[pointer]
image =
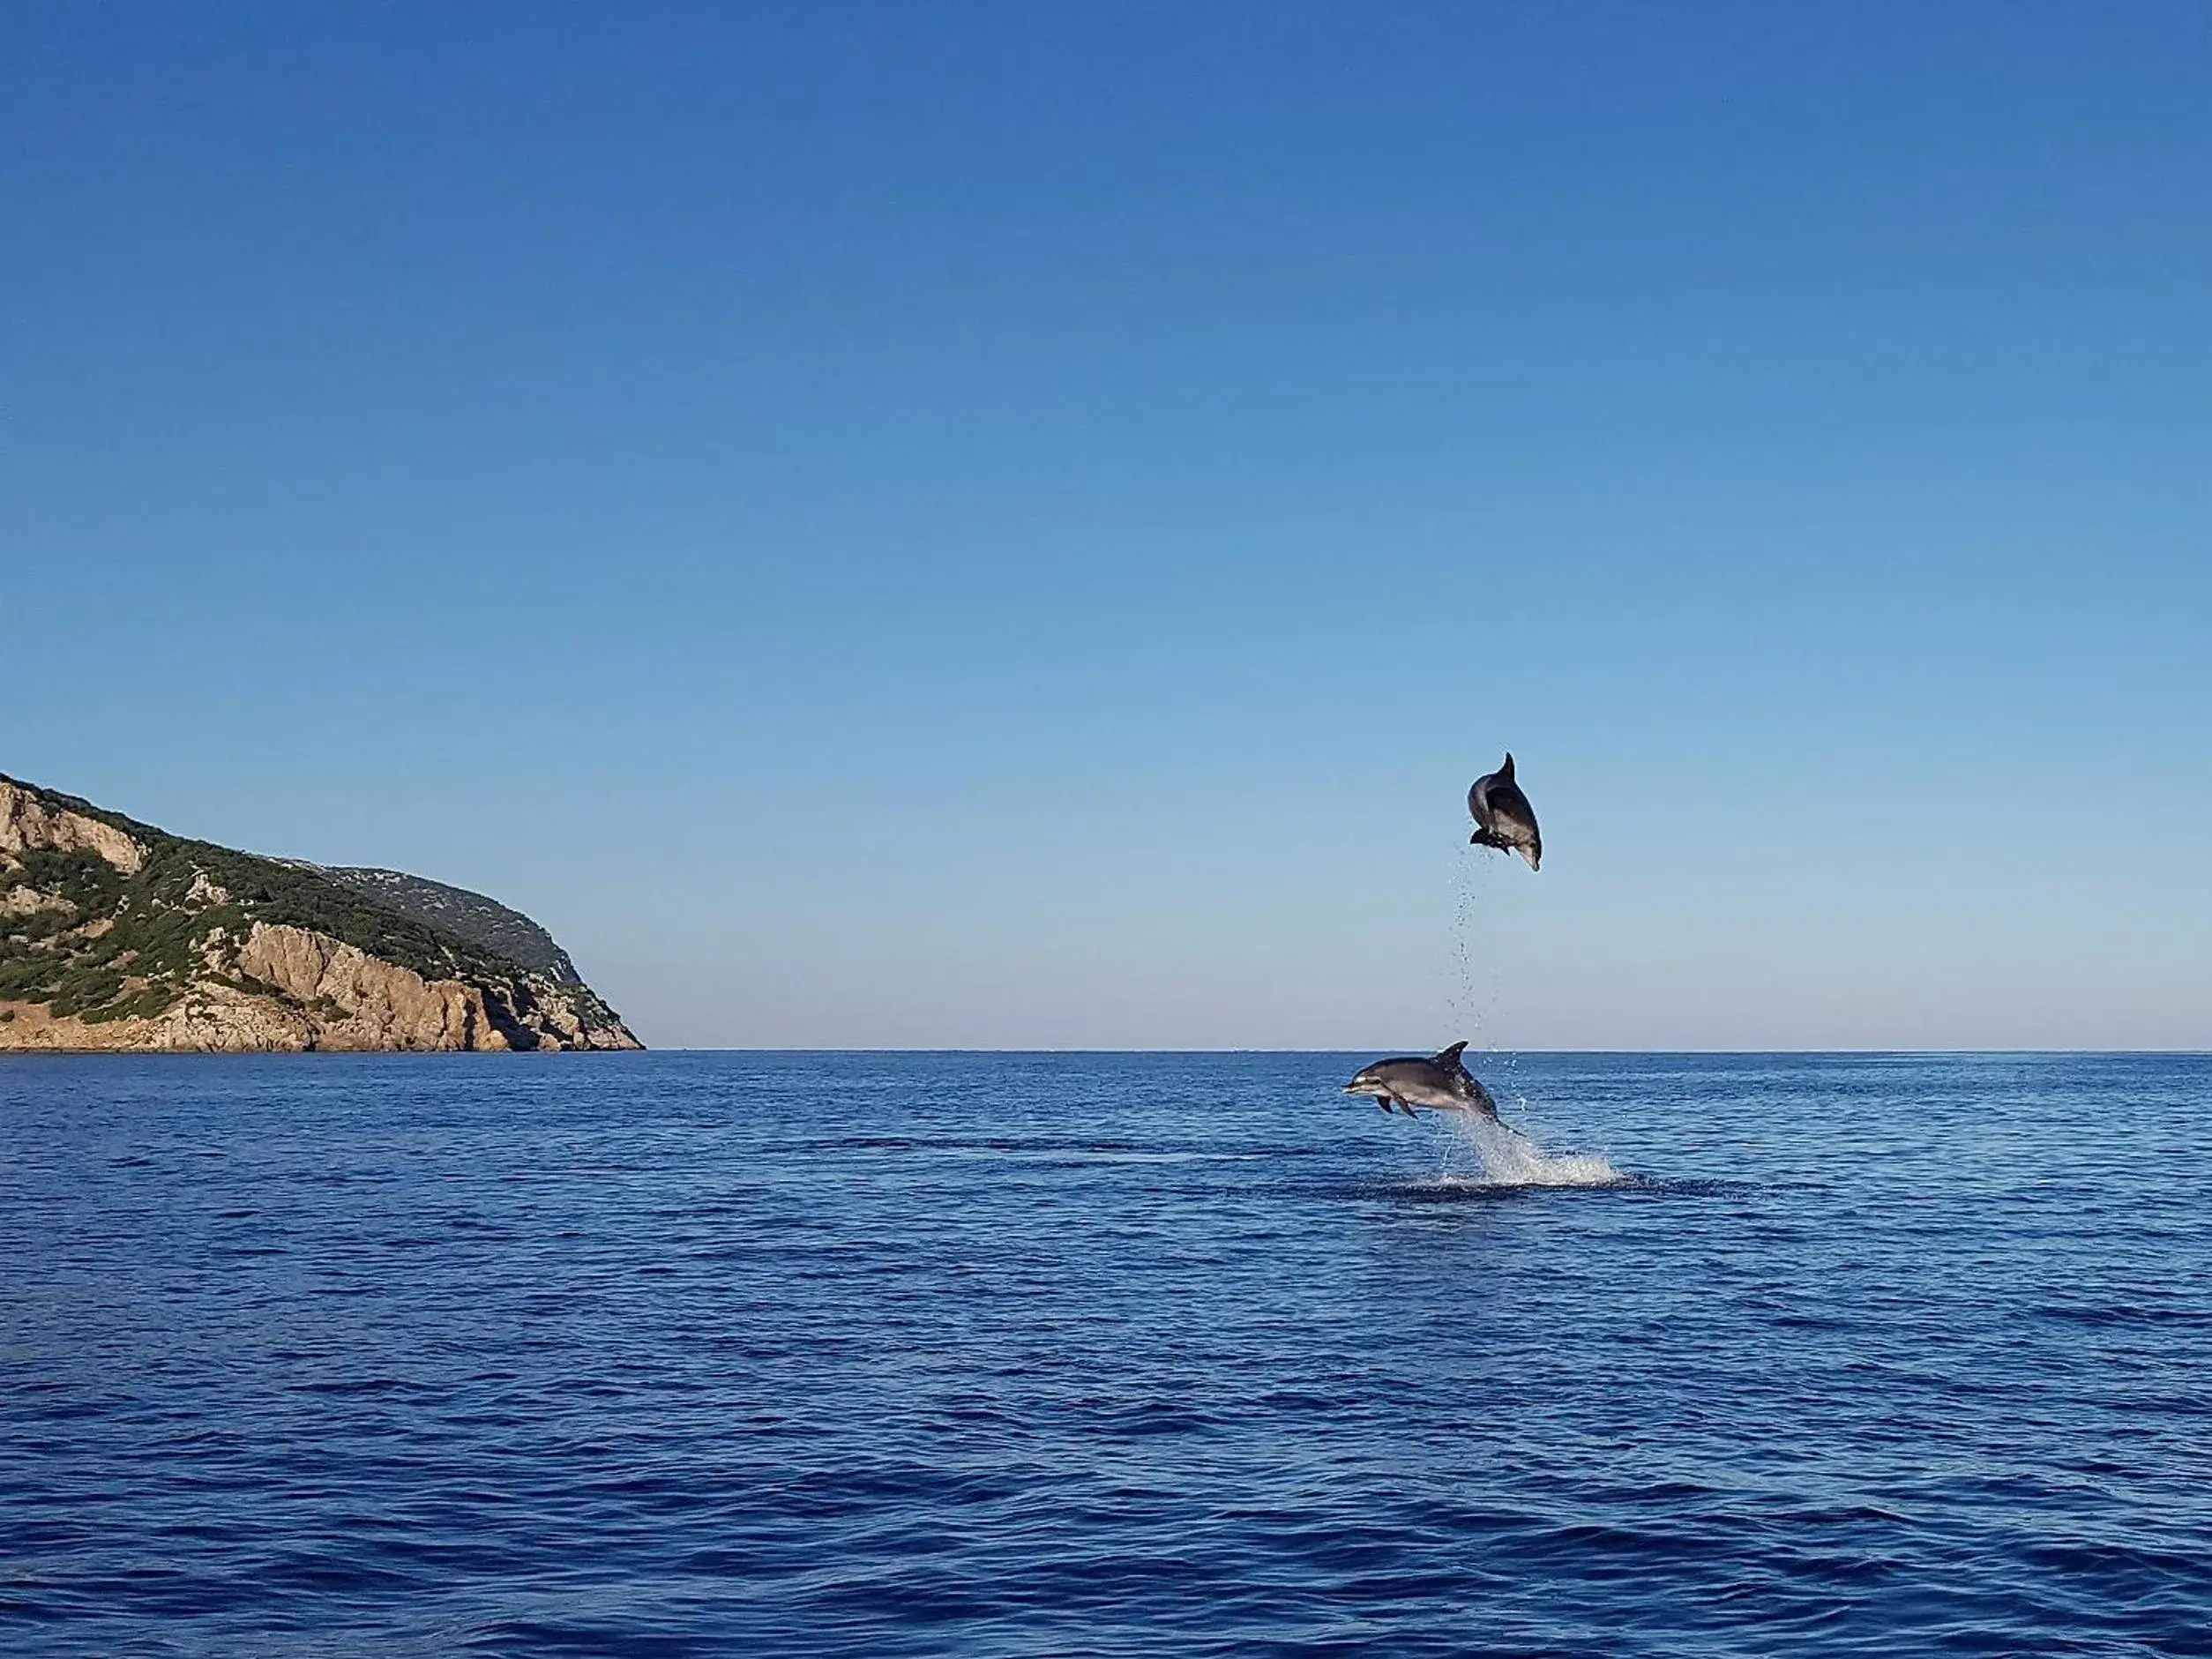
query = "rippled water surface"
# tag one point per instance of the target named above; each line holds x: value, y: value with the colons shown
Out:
x: 988, y: 1354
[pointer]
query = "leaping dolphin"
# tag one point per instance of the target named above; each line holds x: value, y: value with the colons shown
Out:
x: 1441, y: 1082
x: 1503, y: 817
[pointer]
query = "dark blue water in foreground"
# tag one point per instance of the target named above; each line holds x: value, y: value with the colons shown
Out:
x: 987, y: 1355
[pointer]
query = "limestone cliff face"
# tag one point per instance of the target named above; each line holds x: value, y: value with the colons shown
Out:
x: 117, y: 936
x: 373, y: 1005
x: 210, y: 1019
x: 30, y: 822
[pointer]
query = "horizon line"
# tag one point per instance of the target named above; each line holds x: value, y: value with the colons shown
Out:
x: 922, y: 1048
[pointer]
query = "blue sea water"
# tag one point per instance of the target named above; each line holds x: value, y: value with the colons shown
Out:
x: 1103, y: 1354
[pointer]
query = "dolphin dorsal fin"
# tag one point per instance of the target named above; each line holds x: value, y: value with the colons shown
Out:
x: 1451, y: 1056
x: 1505, y: 771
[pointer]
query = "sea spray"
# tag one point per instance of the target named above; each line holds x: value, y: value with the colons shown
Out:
x: 1506, y: 1157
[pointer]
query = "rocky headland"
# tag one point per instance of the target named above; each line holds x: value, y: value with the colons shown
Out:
x: 119, y: 936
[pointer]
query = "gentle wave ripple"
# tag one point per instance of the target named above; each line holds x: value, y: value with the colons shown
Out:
x: 1030, y: 1355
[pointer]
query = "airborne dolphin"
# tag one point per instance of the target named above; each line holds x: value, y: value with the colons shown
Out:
x: 1503, y: 817
x: 1441, y: 1082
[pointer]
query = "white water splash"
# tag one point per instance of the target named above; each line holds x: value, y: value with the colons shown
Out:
x: 1509, y: 1158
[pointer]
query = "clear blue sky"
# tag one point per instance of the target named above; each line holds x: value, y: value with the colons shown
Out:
x: 1015, y: 525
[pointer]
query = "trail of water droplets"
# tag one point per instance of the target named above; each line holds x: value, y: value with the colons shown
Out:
x: 1474, y: 996
x: 1476, y: 1149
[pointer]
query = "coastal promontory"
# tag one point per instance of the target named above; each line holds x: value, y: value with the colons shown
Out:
x: 117, y: 936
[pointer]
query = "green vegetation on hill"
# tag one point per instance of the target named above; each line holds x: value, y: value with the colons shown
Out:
x: 58, y: 954
x: 482, y: 922
x: 88, y: 939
